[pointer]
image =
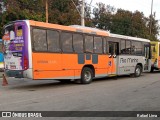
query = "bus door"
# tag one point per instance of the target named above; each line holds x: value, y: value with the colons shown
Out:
x: 147, y: 55
x: 113, y: 52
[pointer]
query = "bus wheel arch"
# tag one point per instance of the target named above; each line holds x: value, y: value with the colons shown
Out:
x: 87, y: 74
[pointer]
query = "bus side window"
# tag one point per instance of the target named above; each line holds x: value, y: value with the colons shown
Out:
x: 78, y: 43
x: 128, y: 47
x: 104, y: 46
x: 88, y: 43
x: 97, y: 44
x: 39, y: 40
x: 66, y: 41
x: 53, y: 41
x: 111, y: 48
x: 136, y: 48
x: 123, y: 46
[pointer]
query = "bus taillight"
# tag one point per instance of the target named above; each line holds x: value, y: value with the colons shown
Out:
x: 25, y: 63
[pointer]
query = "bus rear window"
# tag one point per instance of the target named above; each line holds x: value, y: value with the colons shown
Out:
x: 19, y: 31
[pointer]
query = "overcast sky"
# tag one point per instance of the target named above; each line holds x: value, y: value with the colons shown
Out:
x: 133, y: 5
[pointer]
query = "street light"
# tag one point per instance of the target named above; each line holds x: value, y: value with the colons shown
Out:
x: 151, y: 18
x: 46, y: 11
x: 82, y: 13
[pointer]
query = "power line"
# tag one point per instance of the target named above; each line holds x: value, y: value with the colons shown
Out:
x: 76, y: 7
x: 91, y: 2
x: 150, y: 31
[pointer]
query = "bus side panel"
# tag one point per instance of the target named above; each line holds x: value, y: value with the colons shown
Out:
x: 54, y: 66
x: 127, y: 64
x: 44, y: 64
x: 54, y: 74
x: 78, y: 61
x: 68, y: 66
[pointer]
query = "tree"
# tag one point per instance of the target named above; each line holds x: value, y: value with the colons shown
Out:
x: 60, y: 11
x: 22, y: 9
x: 122, y: 22
x: 103, y: 16
x: 125, y: 22
x: 88, y: 19
x: 63, y: 12
x: 154, y: 30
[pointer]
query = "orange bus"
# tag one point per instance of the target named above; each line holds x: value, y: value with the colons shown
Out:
x: 39, y: 50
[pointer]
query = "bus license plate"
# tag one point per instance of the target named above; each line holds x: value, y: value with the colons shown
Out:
x: 12, y: 67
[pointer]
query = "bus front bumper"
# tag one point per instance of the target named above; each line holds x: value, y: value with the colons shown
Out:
x: 14, y: 73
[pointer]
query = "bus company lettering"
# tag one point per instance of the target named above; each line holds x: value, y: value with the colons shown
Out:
x: 128, y: 60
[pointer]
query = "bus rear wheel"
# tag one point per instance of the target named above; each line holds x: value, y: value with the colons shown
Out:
x: 138, y: 71
x: 86, y: 75
x: 152, y: 69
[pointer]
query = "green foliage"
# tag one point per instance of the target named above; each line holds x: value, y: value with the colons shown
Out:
x: 125, y: 22
x: 64, y: 12
x: 103, y: 16
x: 60, y: 11
x: 22, y: 9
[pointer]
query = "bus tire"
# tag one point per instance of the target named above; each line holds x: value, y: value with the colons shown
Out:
x: 152, y: 69
x: 86, y: 75
x: 138, y: 71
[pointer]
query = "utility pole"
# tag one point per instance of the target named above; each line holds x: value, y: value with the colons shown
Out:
x: 46, y: 11
x: 82, y: 14
x: 150, y: 31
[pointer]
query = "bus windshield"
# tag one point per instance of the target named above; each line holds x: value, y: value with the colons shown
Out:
x: 13, y: 46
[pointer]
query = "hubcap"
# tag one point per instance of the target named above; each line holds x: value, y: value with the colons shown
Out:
x: 87, y: 76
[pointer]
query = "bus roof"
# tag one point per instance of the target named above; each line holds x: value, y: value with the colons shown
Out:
x: 69, y: 28
x: 129, y: 37
x: 155, y: 41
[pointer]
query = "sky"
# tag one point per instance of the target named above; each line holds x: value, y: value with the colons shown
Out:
x: 132, y: 5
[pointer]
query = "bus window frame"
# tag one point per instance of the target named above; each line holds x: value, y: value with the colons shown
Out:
x: 104, y: 45
x: 101, y: 44
x: 142, y: 43
x: 85, y: 34
x: 32, y: 42
x: 82, y: 41
x: 61, y: 41
x: 103, y: 38
x: 58, y: 40
x: 121, y: 47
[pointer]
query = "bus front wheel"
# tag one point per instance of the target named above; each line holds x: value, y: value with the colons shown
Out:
x: 138, y: 71
x: 86, y: 75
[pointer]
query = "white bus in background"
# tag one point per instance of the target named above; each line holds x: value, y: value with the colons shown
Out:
x: 132, y: 54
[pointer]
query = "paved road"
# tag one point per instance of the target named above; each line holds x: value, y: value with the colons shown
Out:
x: 109, y: 94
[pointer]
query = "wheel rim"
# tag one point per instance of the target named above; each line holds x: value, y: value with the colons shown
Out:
x: 87, y: 76
x: 138, y: 71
